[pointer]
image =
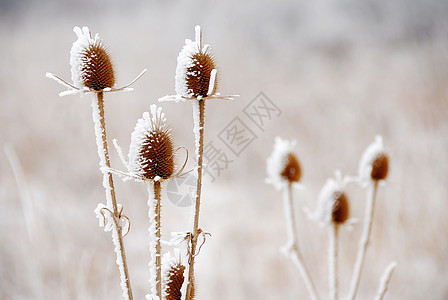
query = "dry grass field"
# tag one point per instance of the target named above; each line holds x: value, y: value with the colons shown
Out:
x: 339, y: 72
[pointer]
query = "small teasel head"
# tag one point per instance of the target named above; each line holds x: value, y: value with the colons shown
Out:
x: 151, y: 153
x: 172, y: 277
x: 341, y: 210
x: 91, y: 66
x: 283, y: 166
x: 333, y: 206
x: 374, y: 164
x: 196, y: 73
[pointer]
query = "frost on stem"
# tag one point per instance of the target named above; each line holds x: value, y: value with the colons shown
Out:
x: 282, y: 166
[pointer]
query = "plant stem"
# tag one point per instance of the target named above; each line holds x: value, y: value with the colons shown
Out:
x: 293, y: 245
x: 196, y: 232
x: 385, y: 279
x: 155, y: 246
x: 333, y: 262
x: 364, y: 240
x: 108, y: 184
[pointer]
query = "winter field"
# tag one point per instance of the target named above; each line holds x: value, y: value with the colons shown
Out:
x: 337, y: 74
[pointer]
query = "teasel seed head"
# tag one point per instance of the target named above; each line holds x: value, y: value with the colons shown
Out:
x: 196, y: 73
x: 151, y: 153
x: 282, y: 166
x: 91, y: 66
x: 175, y: 279
x: 172, y: 275
x: 333, y: 206
x: 341, y: 210
x: 380, y: 167
x: 374, y: 164
x: 291, y: 171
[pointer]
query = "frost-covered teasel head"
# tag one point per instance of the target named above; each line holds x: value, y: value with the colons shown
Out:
x: 282, y: 166
x: 196, y: 72
x: 333, y: 206
x: 151, y: 153
x: 374, y: 163
x: 172, y: 276
x: 91, y: 66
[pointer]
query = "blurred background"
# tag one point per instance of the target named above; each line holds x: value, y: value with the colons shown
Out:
x: 339, y: 73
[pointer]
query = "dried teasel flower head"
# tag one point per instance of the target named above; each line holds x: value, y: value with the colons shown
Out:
x: 374, y: 163
x: 333, y: 205
x: 91, y: 66
x: 282, y: 166
x: 151, y: 153
x: 196, y: 72
x: 172, y: 277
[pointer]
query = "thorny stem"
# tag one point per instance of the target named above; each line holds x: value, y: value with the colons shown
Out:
x: 333, y: 262
x: 293, y: 250
x: 364, y: 240
x: 108, y: 184
x: 196, y: 232
x: 156, y: 250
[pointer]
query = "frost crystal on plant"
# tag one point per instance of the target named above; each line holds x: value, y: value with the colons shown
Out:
x: 282, y: 166
x: 151, y: 154
x: 374, y: 163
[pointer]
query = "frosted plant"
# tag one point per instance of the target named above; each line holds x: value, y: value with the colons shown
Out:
x: 151, y: 160
x: 282, y: 166
x: 91, y: 66
x: 373, y: 168
x: 333, y: 211
x: 196, y: 81
x: 172, y: 276
x: 92, y: 72
x: 283, y: 171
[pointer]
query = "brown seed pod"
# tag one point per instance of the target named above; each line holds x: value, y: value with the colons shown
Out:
x: 97, y: 72
x: 292, y: 171
x: 341, y: 209
x: 175, y: 281
x: 151, y: 153
x: 380, y: 167
x: 198, y: 75
x: 157, y: 155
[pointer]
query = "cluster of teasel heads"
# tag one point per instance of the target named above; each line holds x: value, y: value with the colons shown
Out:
x: 333, y: 211
x: 152, y: 153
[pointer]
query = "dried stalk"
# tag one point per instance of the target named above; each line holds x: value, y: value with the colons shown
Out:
x: 196, y: 231
x: 108, y: 183
x: 155, y: 235
x: 333, y: 262
x: 364, y: 240
x: 293, y: 246
x: 385, y: 279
